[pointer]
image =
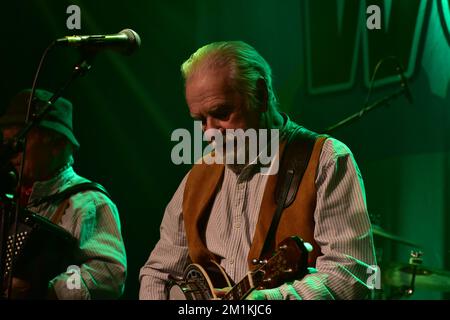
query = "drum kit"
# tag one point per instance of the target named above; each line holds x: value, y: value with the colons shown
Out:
x: 401, y: 280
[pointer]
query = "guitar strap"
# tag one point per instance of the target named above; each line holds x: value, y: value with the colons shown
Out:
x: 293, y: 165
x: 65, y: 195
x: 56, y: 217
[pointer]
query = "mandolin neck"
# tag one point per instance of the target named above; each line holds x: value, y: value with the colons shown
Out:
x: 244, y: 287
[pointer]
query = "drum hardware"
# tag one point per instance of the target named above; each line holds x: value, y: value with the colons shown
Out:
x: 415, y: 260
x: 406, y: 278
x: 380, y: 232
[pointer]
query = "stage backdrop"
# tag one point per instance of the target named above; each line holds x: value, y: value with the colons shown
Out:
x: 323, y: 57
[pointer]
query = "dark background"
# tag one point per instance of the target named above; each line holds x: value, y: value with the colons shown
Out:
x: 322, y: 56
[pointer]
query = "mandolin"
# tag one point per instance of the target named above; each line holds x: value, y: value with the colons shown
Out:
x: 287, y: 263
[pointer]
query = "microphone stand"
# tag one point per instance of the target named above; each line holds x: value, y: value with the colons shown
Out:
x: 6, y: 207
x: 415, y: 260
x: 17, y: 145
x: 407, y: 290
x: 358, y: 115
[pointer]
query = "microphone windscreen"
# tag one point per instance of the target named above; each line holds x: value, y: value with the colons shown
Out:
x: 134, y: 40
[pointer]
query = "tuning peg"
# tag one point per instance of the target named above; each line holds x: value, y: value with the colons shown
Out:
x: 288, y: 270
x: 283, y: 247
x: 256, y: 261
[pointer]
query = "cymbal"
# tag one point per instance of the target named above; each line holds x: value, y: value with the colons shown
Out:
x: 378, y: 231
x: 400, y: 274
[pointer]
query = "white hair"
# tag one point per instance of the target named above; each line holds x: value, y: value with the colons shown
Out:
x: 246, y: 67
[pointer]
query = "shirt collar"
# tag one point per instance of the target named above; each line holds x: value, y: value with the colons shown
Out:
x: 62, y: 180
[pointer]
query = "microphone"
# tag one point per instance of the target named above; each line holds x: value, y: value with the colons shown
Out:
x: 404, y: 83
x: 126, y: 42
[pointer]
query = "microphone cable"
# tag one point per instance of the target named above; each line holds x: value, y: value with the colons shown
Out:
x: 377, y: 67
x: 21, y: 168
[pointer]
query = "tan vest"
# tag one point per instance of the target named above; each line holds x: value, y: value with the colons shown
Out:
x: 297, y: 219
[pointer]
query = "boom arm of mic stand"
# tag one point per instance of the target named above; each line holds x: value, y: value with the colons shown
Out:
x: 80, y: 69
x: 382, y: 102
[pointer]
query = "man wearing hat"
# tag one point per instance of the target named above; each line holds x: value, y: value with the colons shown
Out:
x: 89, y: 215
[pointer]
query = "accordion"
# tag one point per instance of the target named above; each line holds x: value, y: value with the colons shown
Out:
x: 42, y: 251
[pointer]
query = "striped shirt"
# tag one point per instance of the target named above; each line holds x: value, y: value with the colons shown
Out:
x: 342, y: 230
x: 93, y: 219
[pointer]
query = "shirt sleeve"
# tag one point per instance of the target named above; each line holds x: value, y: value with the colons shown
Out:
x: 102, y: 273
x: 342, y: 230
x: 170, y: 255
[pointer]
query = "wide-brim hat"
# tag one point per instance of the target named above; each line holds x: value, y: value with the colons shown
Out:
x: 59, y: 117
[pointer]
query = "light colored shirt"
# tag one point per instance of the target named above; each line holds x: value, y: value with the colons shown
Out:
x: 93, y: 219
x: 342, y: 230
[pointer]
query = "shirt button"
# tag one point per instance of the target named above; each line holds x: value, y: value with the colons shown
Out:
x: 231, y: 261
x: 237, y: 225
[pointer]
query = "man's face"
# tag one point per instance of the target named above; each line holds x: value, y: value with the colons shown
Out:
x: 40, y: 156
x: 212, y: 100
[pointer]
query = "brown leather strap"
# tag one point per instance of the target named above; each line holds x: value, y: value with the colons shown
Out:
x: 56, y: 218
x: 294, y: 161
x: 56, y: 197
x: 64, y: 196
x: 297, y: 219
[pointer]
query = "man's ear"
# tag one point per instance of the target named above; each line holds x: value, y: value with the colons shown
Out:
x: 263, y: 95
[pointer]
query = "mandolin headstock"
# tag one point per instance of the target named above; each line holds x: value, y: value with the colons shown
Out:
x: 289, y: 262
